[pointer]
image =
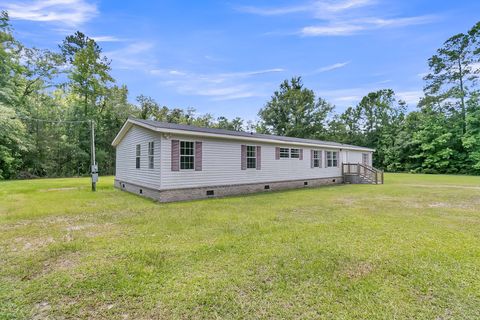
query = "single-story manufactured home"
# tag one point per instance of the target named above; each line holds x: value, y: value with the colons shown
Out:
x: 172, y: 162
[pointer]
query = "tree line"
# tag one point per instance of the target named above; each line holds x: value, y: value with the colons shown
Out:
x: 47, y: 99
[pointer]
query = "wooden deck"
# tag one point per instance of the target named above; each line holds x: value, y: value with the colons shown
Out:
x: 359, y: 173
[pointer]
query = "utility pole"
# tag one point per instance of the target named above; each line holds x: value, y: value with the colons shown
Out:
x: 93, y: 165
x: 93, y: 162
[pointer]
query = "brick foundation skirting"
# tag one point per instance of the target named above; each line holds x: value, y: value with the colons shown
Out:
x: 183, y: 194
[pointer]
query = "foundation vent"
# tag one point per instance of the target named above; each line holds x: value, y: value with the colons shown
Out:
x: 305, y: 183
x: 267, y: 187
x: 210, y: 193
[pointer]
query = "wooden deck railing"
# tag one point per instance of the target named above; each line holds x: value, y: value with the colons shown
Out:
x: 366, y: 172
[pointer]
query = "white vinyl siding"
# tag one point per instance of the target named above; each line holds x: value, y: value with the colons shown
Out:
x: 126, y: 158
x: 221, y: 165
x: 356, y: 157
x: 220, y: 162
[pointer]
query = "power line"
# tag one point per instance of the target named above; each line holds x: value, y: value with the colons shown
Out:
x: 94, y: 165
x: 51, y: 121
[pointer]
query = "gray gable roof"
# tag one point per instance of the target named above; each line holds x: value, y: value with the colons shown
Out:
x: 189, y: 128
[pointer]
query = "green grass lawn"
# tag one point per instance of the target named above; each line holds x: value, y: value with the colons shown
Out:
x: 407, y: 249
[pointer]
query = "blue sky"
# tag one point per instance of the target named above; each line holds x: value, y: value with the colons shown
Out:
x: 227, y: 57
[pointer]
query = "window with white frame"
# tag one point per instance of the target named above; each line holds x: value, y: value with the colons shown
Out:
x: 137, y: 156
x: 251, y: 157
x: 316, y: 158
x: 187, y: 155
x: 151, y: 151
x: 284, y: 153
x: 332, y: 158
x: 295, y: 153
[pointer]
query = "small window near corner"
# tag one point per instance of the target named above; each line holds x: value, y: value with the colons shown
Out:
x: 137, y: 156
x: 151, y: 150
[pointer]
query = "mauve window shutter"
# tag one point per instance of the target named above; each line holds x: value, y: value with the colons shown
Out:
x: 175, y: 155
x: 311, y: 158
x: 277, y: 153
x: 244, y: 157
x: 198, y: 156
x: 259, y: 157
x: 301, y: 154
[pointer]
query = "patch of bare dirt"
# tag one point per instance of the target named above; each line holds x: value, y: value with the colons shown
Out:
x: 100, y: 230
x: 22, y: 244
x: 44, y: 222
x: 442, y: 186
x: 449, y: 205
x: 347, y: 201
x: 358, y: 270
x: 60, y: 189
x: 62, y: 263
x: 41, y: 311
x: 79, y: 227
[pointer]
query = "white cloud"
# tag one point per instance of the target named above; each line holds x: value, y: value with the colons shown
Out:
x: 399, y: 22
x: 318, y: 8
x: 352, y: 96
x: 348, y: 99
x: 343, y: 97
x: 331, y: 30
x: 349, y: 4
x: 383, y: 81
x: 340, y: 18
x: 354, y: 26
x: 106, y: 39
x: 273, y: 11
x: 422, y: 75
x: 252, y: 73
x: 217, y: 86
x: 66, y: 12
x: 410, y: 97
x: 333, y: 67
x: 136, y: 56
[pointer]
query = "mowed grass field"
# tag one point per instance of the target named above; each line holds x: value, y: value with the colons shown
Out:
x: 409, y: 249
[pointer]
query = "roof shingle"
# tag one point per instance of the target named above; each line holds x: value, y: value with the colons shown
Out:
x: 184, y: 127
